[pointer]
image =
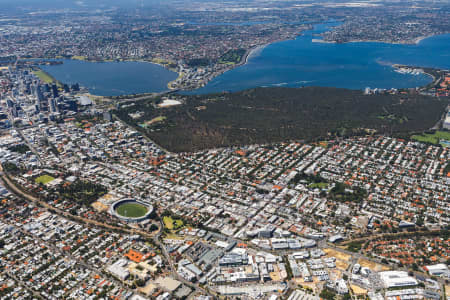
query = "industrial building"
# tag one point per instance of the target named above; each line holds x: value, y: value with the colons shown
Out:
x: 393, y: 279
x: 438, y: 270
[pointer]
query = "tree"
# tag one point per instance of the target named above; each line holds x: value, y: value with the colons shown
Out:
x: 419, y: 221
x: 347, y: 297
x: 326, y: 294
x: 10, y: 167
x: 140, y: 282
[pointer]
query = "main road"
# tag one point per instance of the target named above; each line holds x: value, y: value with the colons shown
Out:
x: 11, y: 186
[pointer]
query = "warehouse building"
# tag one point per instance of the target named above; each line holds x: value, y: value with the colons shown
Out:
x: 393, y: 279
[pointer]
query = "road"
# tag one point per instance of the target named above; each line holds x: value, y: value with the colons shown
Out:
x: 144, y: 135
x: 24, y: 285
x: 437, y: 126
x: 69, y: 255
x: 155, y: 237
x: 15, y: 190
x: 387, y: 235
x: 26, y: 140
x: 114, y: 101
x: 195, y: 287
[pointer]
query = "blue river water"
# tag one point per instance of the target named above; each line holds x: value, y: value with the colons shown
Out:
x: 113, y: 78
x: 292, y: 63
x: 302, y: 62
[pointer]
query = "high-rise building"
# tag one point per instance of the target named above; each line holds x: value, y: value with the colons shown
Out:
x: 52, y: 104
x: 75, y: 87
x: 55, y: 91
x: 72, y: 105
x: 39, y: 97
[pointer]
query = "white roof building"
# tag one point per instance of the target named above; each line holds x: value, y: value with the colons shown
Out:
x: 438, y: 270
x: 397, y: 279
x: 137, y: 297
x: 119, y: 270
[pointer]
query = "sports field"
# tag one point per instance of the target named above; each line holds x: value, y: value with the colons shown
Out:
x: 319, y: 185
x: 131, y: 210
x: 434, y: 138
x: 171, y: 223
x: 44, y: 179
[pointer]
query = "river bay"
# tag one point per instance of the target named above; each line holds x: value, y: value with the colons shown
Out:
x: 113, y: 78
x: 305, y: 61
x: 308, y: 62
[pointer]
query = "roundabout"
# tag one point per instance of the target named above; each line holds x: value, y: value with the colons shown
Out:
x: 131, y: 210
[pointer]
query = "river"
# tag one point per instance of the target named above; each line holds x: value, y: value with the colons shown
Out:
x: 304, y: 61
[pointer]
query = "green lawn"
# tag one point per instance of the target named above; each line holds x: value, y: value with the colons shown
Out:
x: 432, y: 138
x: 44, y: 179
x: 47, y: 78
x: 43, y: 76
x: 172, y: 224
x: 319, y: 185
x: 131, y: 210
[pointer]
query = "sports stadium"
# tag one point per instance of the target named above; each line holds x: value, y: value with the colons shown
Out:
x: 131, y: 210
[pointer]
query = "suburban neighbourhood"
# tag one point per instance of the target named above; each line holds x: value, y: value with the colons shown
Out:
x: 90, y: 208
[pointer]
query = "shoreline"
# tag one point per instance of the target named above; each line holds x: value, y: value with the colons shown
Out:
x: 51, y: 78
x: 244, y: 60
x: 415, y: 41
x: 60, y: 83
x: 321, y: 41
x: 421, y: 38
x: 424, y: 72
x: 252, y: 51
x: 103, y: 61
